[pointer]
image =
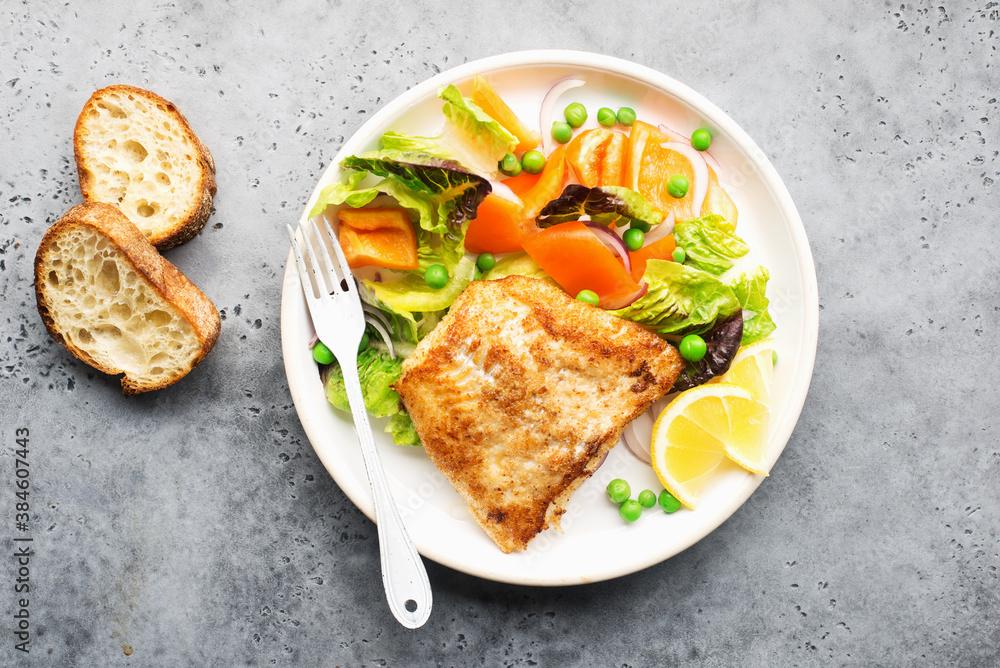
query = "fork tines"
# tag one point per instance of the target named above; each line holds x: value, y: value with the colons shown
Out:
x: 316, y: 267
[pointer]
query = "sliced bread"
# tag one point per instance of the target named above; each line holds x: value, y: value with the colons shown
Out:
x: 106, y: 294
x: 135, y: 150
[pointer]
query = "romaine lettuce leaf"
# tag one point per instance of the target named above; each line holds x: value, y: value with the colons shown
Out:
x: 680, y: 300
x: 409, y: 293
x: 471, y: 136
x: 750, y: 289
x: 377, y: 372
x: 445, y: 195
x: 515, y: 264
x: 402, y: 430
x: 604, y: 204
x: 710, y: 242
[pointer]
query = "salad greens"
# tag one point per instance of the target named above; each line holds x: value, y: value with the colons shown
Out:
x: 680, y: 300
x: 377, y: 371
x: 409, y: 293
x: 515, y: 264
x: 750, y: 291
x: 442, y: 192
x: 721, y: 343
x: 471, y: 136
x: 710, y: 243
x: 604, y: 204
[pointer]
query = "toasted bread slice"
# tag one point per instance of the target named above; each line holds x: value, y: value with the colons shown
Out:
x: 135, y: 150
x: 106, y: 294
x: 519, y: 393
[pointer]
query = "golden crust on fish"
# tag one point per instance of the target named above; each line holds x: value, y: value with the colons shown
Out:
x: 519, y: 393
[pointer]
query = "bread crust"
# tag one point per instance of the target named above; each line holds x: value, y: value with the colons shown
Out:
x: 199, y: 211
x: 168, y: 281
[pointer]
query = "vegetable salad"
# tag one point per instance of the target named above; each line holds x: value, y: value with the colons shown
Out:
x: 623, y: 215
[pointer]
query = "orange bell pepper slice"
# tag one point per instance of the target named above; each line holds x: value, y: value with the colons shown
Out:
x: 522, y: 183
x: 499, y: 227
x: 380, y: 237
x: 487, y: 99
x: 662, y: 249
x: 598, y: 157
x: 577, y: 260
x: 548, y: 186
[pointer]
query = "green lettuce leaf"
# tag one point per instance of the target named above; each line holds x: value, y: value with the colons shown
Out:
x: 604, y: 204
x: 471, y: 136
x: 680, y: 300
x: 515, y: 264
x: 710, y: 242
x: 409, y: 293
x: 751, y: 291
x: 377, y: 372
x: 444, y: 195
x: 402, y: 430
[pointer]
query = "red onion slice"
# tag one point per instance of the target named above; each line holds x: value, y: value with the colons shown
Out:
x: 382, y: 332
x: 661, y: 230
x: 621, y: 302
x: 673, y: 134
x: 678, y: 137
x: 548, y: 106
x: 312, y: 341
x: 700, y: 168
x: 638, y: 436
x: 612, y: 241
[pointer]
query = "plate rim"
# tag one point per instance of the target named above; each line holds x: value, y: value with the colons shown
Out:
x: 359, y: 495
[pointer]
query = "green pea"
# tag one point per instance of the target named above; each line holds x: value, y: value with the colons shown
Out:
x: 680, y: 255
x: 647, y: 499
x: 561, y: 132
x: 576, y: 114
x: 510, y: 165
x: 701, y: 139
x: 365, y: 342
x: 640, y: 225
x: 486, y: 261
x: 630, y: 510
x: 669, y: 502
x: 634, y: 238
x: 436, y: 276
x: 589, y: 297
x: 322, y: 354
x: 626, y: 115
x: 618, y: 490
x: 677, y: 186
x: 606, y: 117
x: 533, y: 161
x: 693, y: 348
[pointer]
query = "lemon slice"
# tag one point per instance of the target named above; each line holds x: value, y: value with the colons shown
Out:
x: 753, y: 370
x: 701, y: 430
x: 686, y: 448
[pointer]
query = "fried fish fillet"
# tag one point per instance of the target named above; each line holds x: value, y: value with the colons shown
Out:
x: 519, y: 393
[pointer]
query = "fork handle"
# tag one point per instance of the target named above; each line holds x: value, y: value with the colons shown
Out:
x: 403, y: 574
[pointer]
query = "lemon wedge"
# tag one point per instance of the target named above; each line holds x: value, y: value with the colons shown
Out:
x: 753, y: 370
x: 692, y: 436
x: 706, y: 427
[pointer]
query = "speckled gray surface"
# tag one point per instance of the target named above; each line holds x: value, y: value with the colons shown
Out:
x: 196, y: 527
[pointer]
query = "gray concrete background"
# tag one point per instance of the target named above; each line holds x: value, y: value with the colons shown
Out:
x: 196, y: 527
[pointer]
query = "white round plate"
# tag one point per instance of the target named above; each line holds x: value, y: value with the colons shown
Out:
x: 594, y: 544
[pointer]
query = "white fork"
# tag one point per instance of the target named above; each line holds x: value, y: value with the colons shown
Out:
x: 332, y: 297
